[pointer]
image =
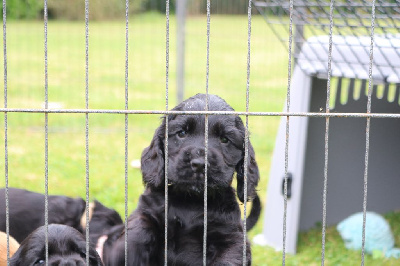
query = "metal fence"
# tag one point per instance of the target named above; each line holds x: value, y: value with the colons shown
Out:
x: 368, y: 13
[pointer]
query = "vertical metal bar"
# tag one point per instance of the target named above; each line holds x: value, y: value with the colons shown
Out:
x: 206, y: 136
x: 205, y: 184
x: 360, y: 19
x: 386, y: 32
x: 46, y: 133
x: 354, y: 31
x: 287, y: 130
x: 166, y: 134
x: 87, y: 124
x: 327, y: 110
x: 370, y: 83
x: 314, y: 32
x: 6, y: 129
x: 180, y: 48
x: 299, y: 26
x: 246, y: 136
x: 126, y: 124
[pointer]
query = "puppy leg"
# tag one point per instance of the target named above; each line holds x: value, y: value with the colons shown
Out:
x: 233, y: 256
x: 231, y: 261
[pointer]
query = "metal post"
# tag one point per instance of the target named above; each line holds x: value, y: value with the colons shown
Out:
x: 180, y: 46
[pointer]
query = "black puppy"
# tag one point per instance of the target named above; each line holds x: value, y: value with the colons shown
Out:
x: 67, y: 247
x: 102, y: 220
x: 105, y: 243
x: 103, y: 224
x: 27, y: 211
x: 186, y: 172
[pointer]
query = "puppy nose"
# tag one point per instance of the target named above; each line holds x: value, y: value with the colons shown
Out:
x: 72, y: 261
x: 198, y: 164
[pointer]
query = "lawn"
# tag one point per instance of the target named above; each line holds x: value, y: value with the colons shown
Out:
x: 66, y: 61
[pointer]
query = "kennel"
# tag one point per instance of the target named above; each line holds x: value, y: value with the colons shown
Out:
x: 347, y: 135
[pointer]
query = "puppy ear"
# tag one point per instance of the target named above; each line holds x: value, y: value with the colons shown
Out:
x: 252, y: 176
x: 16, y: 259
x: 152, y: 161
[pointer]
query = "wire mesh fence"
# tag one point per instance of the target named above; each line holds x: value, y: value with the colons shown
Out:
x: 370, y: 22
x: 350, y: 29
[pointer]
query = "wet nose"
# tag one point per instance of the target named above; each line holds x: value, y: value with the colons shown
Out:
x: 70, y: 261
x: 198, y: 164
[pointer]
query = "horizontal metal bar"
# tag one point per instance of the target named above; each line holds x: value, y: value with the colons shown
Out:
x: 316, y: 4
x: 311, y: 21
x: 160, y: 112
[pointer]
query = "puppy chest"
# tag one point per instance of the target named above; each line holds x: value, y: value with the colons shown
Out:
x: 186, y: 231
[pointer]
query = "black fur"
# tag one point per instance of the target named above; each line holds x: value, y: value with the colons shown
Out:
x: 67, y: 247
x: 27, y: 210
x: 186, y: 163
x: 102, y: 220
x: 114, y: 235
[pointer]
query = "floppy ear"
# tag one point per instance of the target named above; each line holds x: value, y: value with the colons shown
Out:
x: 252, y: 176
x: 152, y: 162
x: 16, y: 259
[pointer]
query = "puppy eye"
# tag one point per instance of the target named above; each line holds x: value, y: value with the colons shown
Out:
x: 182, y: 133
x: 39, y: 262
x: 223, y: 139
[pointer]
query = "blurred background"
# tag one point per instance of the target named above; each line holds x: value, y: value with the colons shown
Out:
x: 147, y: 91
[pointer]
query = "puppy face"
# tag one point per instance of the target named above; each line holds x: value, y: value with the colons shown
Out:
x: 66, y: 247
x: 186, y: 150
x: 186, y: 165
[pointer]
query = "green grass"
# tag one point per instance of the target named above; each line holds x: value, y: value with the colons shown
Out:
x: 66, y: 61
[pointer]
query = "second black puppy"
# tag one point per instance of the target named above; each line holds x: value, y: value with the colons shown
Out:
x: 67, y: 247
x: 104, y: 224
x: 27, y: 211
x: 186, y: 173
